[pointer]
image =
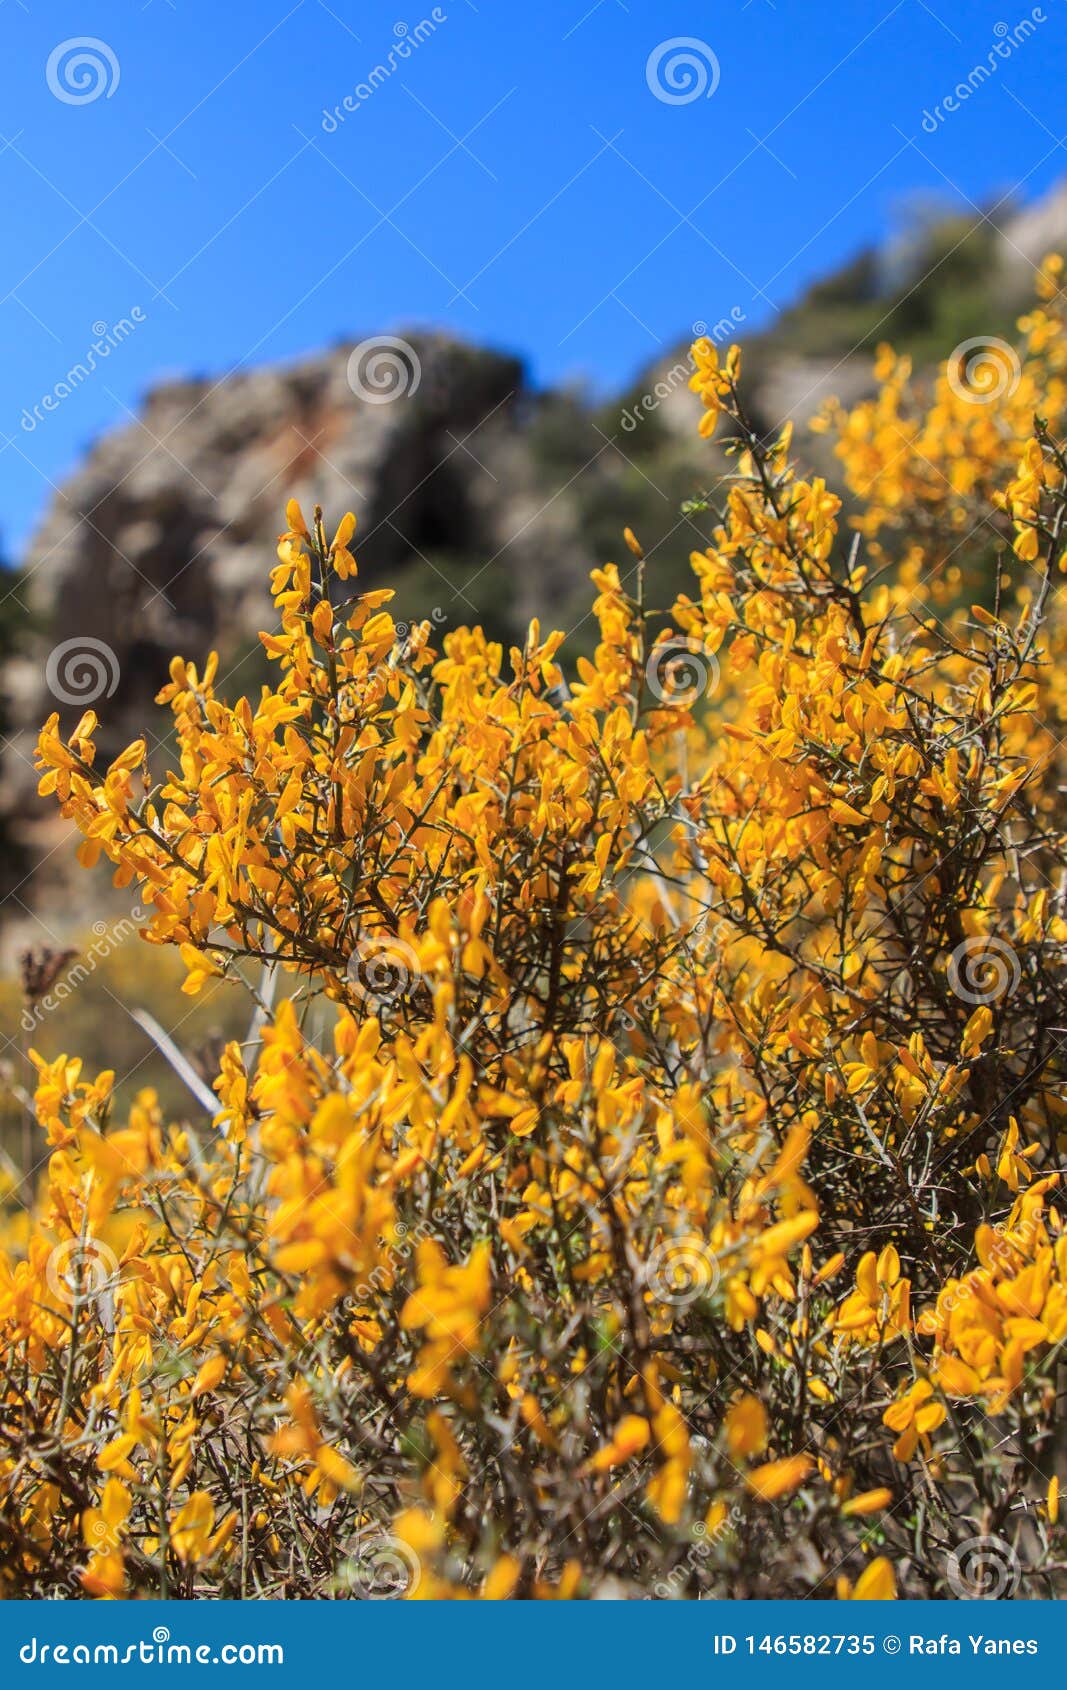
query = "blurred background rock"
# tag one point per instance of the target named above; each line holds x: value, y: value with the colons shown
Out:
x: 478, y: 499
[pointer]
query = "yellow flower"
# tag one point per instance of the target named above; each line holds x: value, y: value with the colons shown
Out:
x: 746, y: 1428
x: 778, y: 1478
x: 868, y: 1502
x: 876, y: 1583
x: 913, y: 1417
x: 630, y: 1437
x: 595, y: 999
x: 191, y: 1527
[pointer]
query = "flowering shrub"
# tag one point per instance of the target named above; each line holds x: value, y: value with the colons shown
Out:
x: 640, y: 1175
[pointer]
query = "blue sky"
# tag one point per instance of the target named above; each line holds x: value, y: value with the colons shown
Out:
x: 517, y: 176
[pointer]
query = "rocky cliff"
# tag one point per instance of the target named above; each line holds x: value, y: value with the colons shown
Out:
x: 477, y: 497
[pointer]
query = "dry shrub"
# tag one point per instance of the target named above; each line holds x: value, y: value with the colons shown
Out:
x: 640, y: 1175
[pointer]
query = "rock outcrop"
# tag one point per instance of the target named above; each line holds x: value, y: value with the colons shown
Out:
x: 477, y: 498
x: 472, y: 494
x: 162, y: 540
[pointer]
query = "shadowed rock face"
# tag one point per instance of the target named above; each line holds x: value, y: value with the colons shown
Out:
x: 162, y: 541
